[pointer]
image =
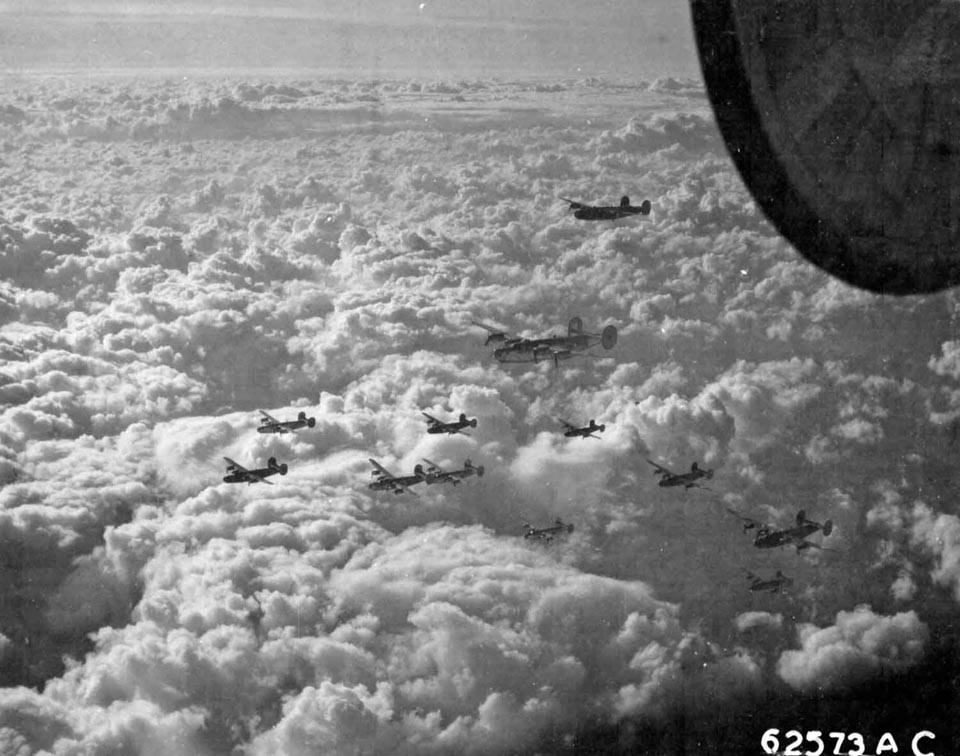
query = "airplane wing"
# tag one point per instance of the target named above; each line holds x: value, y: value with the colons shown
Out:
x: 434, y: 465
x: 574, y: 205
x: 268, y: 418
x: 568, y: 426
x: 486, y: 327
x: 383, y: 470
x: 749, y: 522
x: 432, y: 419
x: 235, y: 466
x: 251, y: 474
x: 661, y: 470
x: 811, y: 545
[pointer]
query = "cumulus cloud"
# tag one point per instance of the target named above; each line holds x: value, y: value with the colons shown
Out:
x: 860, y: 646
x: 754, y: 620
x: 324, y: 247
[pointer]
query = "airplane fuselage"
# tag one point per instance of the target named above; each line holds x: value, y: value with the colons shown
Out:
x: 539, y: 350
x: 585, y: 432
x: 767, y: 585
x: 606, y: 212
x: 450, y: 428
x: 450, y: 476
x: 286, y: 427
x: 396, y: 484
x: 687, y: 479
x: 269, y: 425
x: 251, y: 476
x: 785, y: 537
x: 548, y: 534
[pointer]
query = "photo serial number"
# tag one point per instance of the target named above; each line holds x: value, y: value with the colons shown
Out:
x: 816, y: 743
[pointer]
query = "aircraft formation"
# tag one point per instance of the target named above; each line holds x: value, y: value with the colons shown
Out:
x: 553, y: 348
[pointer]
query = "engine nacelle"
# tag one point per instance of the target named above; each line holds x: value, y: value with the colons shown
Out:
x: 608, y: 337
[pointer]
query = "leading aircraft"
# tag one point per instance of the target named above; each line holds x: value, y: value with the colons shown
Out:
x: 270, y: 424
x: 546, y: 534
x: 436, y: 474
x: 773, y: 585
x: 237, y: 473
x: 768, y: 538
x: 582, y: 211
x: 387, y: 481
x: 438, y: 426
x: 687, y: 479
x: 516, y: 349
x: 587, y: 431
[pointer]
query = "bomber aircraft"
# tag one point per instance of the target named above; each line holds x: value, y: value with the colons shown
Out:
x: 438, y: 426
x: 546, y: 534
x: 582, y: 211
x: 237, y: 473
x: 557, y: 348
x: 270, y: 424
x: 768, y: 538
x: 436, y: 474
x: 773, y: 585
x: 587, y: 431
x: 687, y: 479
x: 387, y: 481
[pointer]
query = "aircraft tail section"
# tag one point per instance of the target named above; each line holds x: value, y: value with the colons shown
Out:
x: 624, y: 201
x: 575, y: 326
x: 645, y: 207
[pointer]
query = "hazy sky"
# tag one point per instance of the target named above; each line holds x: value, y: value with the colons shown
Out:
x: 611, y: 38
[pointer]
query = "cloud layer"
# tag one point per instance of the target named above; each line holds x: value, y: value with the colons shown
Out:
x: 176, y: 256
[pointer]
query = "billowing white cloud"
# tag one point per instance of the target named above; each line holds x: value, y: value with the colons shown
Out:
x: 178, y: 256
x: 860, y: 646
x: 753, y: 620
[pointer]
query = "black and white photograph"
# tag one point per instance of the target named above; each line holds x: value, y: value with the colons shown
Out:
x: 482, y: 377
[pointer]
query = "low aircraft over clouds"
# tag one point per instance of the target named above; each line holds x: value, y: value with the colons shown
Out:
x: 769, y: 538
x: 687, y: 479
x: 237, y: 473
x: 583, y: 211
x: 436, y: 474
x: 773, y: 585
x: 455, y: 426
x: 548, y: 533
x: 556, y: 348
x: 270, y: 424
x: 387, y: 481
x: 587, y: 431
